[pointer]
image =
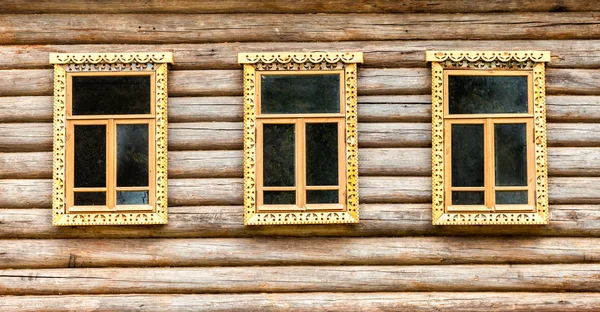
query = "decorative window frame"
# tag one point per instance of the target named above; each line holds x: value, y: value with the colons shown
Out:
x: 314, y: 61
x: 532, y: 61
x: 143, y: 62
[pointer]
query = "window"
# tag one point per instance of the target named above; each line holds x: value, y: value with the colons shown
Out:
x: 489, y: 138
x: 110, y: 144
x: 300, y: 139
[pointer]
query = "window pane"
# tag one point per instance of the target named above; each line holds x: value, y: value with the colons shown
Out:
x: 510, y: 145
x: 511, y: 197
x: 468, y: 198
x: 90, y: 156
x: 487, y: 94
x: 132, y: 155
x: 322, y: 154
x: 132, y: 198
x: 279, y: 197
x: 322, y: 197
x: 467, y: 155
x: 90, y: 198
x: 109, y: 95
x: 279, y: 162
x: 299, y: 94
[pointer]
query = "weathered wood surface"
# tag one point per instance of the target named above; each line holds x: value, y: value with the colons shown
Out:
x: 27, y: 193
x: 227, y: 221
x: 377, y: 54
x: 392, y: 302
x: 387, y: 81
x: 371, y: 108
x: 37, y: 137
x: 75, y: 253
x: 205, y: 28
x: 295, y: 6
x: 562, y: 161
x: 544, y: 278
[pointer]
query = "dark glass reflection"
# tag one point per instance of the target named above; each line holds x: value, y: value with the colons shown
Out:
x: 279, y: 197
x: 132, y: 198
x: 279, y: 160
x: 300, y: 94
x: 90, y: 156
x: 321, y: 154
x: 89, y: 198
x: 487, y: 94
x: 109, y: 95
x: 510, y: 145
x: 132, y: 155
x: 322, y: 197
x: 468, y: 198
x: 467, y: 155
x: 511, y: 197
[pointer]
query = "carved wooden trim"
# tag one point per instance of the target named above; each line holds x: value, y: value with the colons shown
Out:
x: 300, y: 57
x: 111, y: 58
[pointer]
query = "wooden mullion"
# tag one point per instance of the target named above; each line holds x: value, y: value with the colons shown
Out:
x: 342, y: 162
x: 111, y: 168
x: 300, y: 163
x: 530, y: 163
x: 489, y: 160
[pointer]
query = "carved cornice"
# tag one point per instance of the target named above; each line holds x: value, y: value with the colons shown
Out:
x: 300, y: 57
x: 488, y: 56
x: 111, y: 58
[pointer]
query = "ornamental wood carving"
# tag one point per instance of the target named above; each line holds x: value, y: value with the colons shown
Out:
x: 64, y: 63
x: 531, y: 61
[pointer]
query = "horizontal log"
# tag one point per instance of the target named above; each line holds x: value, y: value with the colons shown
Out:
x: 77, y: 253
x: 206, y: 28
x: 371, y: 81
x: 550, y: 277
x: 378, y: 108
x: 312, y: 302
x: 226, y: 221
x: 312, y: 6
x: 28, y: 193
x: 37, y: 137
x: 377, y: 54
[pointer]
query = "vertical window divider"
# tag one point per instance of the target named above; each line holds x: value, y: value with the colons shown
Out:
x: 489, y: 163
x: 111, y: 167
x: 300, y: 163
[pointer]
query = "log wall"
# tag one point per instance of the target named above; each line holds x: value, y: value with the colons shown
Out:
x: 205, y: 258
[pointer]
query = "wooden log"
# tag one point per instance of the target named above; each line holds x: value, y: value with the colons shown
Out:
x: 377, y: 108
x: 28, y: 193
x: 389, y: 81
x: 205, y: 28
x: 310, y: 302
x: 377, y: 54
x: 37, y: 137
x: 550, y: 277
x: 77, y: 253
x: 226, y: 221
x: 312, y: 6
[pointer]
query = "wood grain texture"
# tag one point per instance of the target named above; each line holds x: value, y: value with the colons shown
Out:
x: 371, y: 108
x: 75, y: 253
x: 387, y: 81
x: 29, y: 193
x: 295, y: 6
x: 204, y: 28
x: 550, y: 277
x: 227, y: 221
x: 377, y: 54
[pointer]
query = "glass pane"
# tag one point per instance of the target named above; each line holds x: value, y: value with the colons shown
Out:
x: 109, y: 95
x: 511, y: 197
x: 467, y: 155
x: 132, y: 198
x: 279, y: 150
x: 300, y: 94
x: 90, y: 198
x: 322, y: 154
x: 132, y: 155
x: 90, y: 156
x: 279, y: 197
x: 487, y: 94
x: 468, y: 198
x: 510, y: 145
x: 322, y: 197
